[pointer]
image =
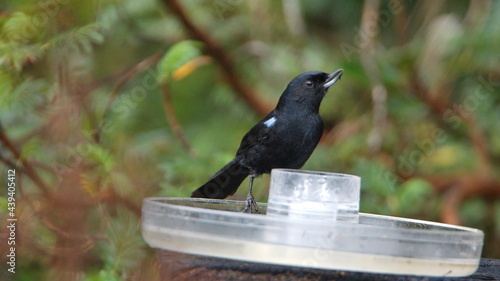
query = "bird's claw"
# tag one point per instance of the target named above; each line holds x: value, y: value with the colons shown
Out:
x: 251, y: 204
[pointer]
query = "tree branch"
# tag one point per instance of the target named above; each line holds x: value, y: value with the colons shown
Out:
x: 111, y: 196
x: 173, y: 121
x: 475, y: 134
x: 138, y: 68
x: 460, y: 187
x: 223, y: 60
x: 28, y: 169
x: 401, y: 21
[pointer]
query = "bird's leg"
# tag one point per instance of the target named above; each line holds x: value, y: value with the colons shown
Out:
x: 250, y: 200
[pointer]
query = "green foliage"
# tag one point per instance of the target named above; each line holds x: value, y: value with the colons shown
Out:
x: 6, y: 86
x: 3, y: 203
x: 178, y: 55
x: 63, y: 64
x: 416, y: 197
x: 474, y: 210
x: 13, y: 55
x: 78, y: 40
x: 100, y: 156
x: 378, y: 186
x: 124, y: 249
x: 31, y: 148
x: 103, y: 275
x: 19, y: 27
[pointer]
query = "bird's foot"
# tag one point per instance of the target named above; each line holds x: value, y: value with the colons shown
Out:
x: 251, y: 204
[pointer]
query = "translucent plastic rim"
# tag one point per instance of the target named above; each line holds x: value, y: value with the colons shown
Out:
x: 420, y: 230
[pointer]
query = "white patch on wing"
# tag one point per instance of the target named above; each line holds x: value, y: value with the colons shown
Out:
x: 269, y: 123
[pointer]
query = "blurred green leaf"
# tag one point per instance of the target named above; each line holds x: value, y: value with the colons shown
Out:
x: 13, y: 55
x: 3, y: 203
x: 99, y: 155
x: 413, y: 195
x: 6, y: 86
x: 78, y: 40
x: 103, y: 275
x: 20, y: 27
x: 124, y: 249
x: 178, y: 55
x: 473, y: 210
x: 375, y: 177
x: 31, y: 148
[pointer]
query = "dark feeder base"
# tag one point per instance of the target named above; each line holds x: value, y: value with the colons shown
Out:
x: 184, y: 267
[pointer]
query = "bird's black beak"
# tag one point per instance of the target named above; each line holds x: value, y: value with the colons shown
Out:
x: 333, y: 78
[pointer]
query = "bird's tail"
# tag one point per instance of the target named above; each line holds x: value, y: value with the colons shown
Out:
x: 224, y: 183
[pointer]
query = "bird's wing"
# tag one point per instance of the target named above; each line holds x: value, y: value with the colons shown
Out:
x: 258, y: 134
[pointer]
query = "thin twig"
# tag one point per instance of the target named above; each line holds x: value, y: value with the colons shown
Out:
x: 400, y: 21
x: 476, y: 136
x: 479, y: 143
x: 138, y: 68
x: 111, y: 196
x: 12, y: 164
x: 28, y: 169
x: 173, y: 121
x: 222, y: 59
x: 460, y: 187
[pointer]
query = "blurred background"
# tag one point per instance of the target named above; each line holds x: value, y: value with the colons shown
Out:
x: 105, y: 102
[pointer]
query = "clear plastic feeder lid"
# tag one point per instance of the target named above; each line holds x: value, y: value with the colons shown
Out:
x: 343, y: 240
x: 311, y: 195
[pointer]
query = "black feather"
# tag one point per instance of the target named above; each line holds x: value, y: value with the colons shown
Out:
x: 224, y: 183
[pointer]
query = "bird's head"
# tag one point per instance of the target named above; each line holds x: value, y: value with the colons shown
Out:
x: 308, y: 89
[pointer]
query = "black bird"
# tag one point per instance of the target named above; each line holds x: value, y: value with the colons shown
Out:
x: 285, y: 138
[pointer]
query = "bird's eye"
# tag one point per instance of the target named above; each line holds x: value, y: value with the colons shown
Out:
x: 309, y: 84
